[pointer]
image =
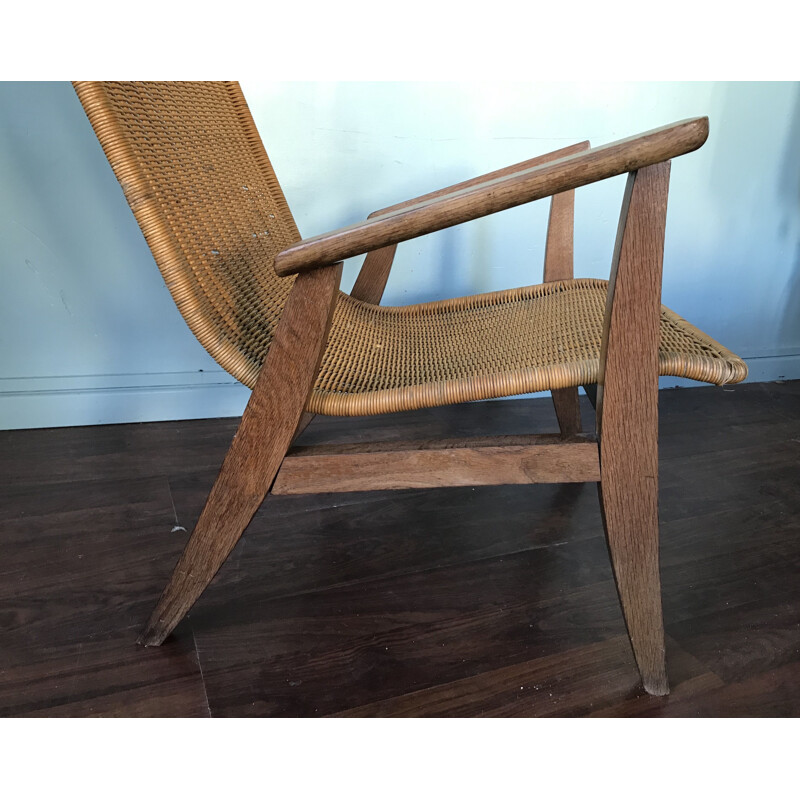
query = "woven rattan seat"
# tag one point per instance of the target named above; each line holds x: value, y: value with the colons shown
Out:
x: 382, y: 359
x: 266, y: 305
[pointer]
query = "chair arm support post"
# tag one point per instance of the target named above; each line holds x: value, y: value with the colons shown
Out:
x: 558, y: 266
x: 559, y: 248
x: 374, y: 274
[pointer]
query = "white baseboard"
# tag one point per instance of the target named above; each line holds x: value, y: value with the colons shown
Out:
x: 57, y: 402
x: 66, y: 401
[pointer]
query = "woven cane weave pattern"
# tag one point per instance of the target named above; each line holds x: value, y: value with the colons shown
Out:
x: 381, y: 359
x: 194, y: 170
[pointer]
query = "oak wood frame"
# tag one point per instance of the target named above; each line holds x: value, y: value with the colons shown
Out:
x: 476, y: 461
x: 623, y: 458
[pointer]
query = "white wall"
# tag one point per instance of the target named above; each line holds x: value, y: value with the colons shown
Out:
x: 89, y: 333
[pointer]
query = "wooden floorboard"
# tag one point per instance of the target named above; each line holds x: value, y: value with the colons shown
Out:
x: 572, y: 683
x: 320, y: 651
x: 489, y: 601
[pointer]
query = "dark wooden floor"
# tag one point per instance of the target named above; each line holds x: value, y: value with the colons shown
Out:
x: 486, y: 601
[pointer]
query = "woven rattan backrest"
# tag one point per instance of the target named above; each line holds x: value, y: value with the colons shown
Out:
x: 195, y: 173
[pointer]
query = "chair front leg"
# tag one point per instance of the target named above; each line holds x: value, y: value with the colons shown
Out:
x: 627, y: 415
x: 267, y: 428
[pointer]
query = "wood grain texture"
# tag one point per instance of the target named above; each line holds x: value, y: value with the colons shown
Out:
x: 361, y: 639
x: 771, y: 694
x: 503, y: 172
x: 559, y: 266
x: 567, y: 684
x: 627, y: 416
x: 267, y: 428
x: 568, y: 411
x: 559, y: 248
x: 492, y: 461
x: 374, y: 274
x: 495, y: 195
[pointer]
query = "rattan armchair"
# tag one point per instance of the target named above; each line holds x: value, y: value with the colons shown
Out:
x: 266, y: 304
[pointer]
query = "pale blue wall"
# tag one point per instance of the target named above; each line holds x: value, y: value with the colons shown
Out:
x: 89, y: 333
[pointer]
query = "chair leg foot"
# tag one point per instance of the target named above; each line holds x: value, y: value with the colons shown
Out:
x: 154, y: 634
x: 218, y: 530
x: 630, y: 518
x: 247, y: 473
x: 656, y: 686
x: 239, y: 491
x: 237, y: 494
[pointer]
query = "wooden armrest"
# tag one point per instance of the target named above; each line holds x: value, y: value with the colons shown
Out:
x: 489, y: 176
x: 498, y: 194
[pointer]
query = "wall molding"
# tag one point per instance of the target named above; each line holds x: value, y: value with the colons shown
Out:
x: 73, y: 400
